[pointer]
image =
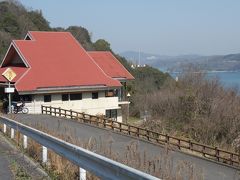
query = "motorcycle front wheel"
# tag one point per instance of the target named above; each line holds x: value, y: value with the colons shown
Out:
x: 25, y: 110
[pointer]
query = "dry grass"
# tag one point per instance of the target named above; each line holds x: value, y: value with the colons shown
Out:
x: 194, y: 107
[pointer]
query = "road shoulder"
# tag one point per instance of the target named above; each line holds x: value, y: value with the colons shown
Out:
x: 15, y: 163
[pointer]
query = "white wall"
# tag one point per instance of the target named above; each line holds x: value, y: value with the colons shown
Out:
x: 119, y: 115
x: 87, y: 104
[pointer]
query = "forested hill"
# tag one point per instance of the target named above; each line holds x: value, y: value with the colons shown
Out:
x: 16, y: 21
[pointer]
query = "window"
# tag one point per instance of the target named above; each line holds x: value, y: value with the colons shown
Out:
x: 111, y: 93
x: 111, y: 113
x: 65, y: 97
x: 76, y: 96
x: 95, y: 95
x: 26, y: 98
x: 47, y: 98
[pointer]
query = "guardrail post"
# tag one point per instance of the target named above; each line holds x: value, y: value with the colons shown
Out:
x: 98, y: 120
x: 82, y: 174
x: 112, y: 125
x: 203, y: 151
x: 231, y: 159
x: 179, y: 144
x: 71, y: 114
x: 190, y: 145
x: 55, y: 111
x: 148, y: 134
x: 167, y: 138
x: 104, y: 122
x: 4, y: 128
x: 24, y: 142
x: 12, y: 133
x: 59, y: 110
x: 50, y: 110
x: 138, y: 132
x: 42, y: 108
x: 44, y: 154
x: 217, y: 153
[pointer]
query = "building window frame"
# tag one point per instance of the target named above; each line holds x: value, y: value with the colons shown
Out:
x: 75, y: 96
x: 111, y: 113
x: 47, y: 98
x: 26, y: 98
x: 112, y: 93
x: 94, y: 95
x: 65, y: 97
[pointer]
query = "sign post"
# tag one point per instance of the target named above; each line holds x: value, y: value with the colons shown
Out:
x: 9, y: 74
x: 9, y: 99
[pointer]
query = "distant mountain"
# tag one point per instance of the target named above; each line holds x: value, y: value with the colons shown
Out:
x: 230, y: 62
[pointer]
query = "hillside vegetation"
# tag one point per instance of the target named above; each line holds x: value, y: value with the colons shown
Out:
x: 16, y: 21
x: 197, y: 108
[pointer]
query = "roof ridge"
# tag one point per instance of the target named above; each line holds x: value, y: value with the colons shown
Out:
x: 23, y: 40
x: 99, y: 51
x: 51, y: 31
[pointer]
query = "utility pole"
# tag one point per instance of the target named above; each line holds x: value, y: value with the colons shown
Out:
x: 139, y: 58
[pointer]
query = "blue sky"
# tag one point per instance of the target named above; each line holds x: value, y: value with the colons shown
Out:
x: 166, y: 27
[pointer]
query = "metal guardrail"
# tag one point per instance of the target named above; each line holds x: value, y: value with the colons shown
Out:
x: 99, y: 165
x: 199, y: 149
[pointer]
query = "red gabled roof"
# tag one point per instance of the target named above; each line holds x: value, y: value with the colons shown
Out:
x: 110, y: 65
x: 56, y: 59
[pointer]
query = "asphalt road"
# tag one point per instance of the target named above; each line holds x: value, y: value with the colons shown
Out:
x: 82, y: 132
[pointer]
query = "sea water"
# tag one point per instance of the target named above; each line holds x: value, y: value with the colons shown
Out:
x: 229, y: 79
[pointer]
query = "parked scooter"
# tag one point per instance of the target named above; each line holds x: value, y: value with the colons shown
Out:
x: 20, y: 107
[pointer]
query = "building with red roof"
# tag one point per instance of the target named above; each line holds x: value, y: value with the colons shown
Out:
x: 52, y: 68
